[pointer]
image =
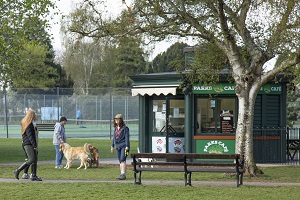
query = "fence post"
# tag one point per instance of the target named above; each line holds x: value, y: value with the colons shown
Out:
x: 57, y: 92
x: 5, y: 102
x: 110, y: 109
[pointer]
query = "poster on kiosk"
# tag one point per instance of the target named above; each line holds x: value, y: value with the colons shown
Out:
x: 159, y: 144
x: 176, y: 145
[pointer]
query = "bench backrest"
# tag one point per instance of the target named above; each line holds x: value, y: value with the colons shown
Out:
x: 185, y: 156
x: 45, y: 126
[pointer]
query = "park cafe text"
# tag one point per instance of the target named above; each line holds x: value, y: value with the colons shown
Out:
x: 229, y: 89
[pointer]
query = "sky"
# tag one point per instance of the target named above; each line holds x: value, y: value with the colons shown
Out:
x: 65, y: 8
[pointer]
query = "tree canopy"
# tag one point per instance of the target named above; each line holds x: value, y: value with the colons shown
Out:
x: 173, y: 59
x: 17, y: 17
x: 27, y: 56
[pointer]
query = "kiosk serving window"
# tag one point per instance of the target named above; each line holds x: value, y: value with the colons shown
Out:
x: 216, y: 115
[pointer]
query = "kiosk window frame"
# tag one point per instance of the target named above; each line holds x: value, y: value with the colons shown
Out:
x: 216, y: 114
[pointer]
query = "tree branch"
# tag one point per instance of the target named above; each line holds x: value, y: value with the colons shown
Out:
x: 280, y: 27
x: 283, y: 66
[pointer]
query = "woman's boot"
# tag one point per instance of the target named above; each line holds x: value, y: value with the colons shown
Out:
x: 34, y: 177
x: 17, y: 171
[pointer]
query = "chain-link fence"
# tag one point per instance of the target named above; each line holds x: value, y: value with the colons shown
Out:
x: 97, y: 107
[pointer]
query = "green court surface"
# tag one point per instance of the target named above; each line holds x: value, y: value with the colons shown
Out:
x: 72, y: 131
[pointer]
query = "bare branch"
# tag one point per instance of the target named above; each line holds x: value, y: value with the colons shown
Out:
x: 283, y: 66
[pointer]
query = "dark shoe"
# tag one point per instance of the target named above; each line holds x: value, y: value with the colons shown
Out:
x: 36, y: 178
x: 16, y: 173
x: 122, y: 177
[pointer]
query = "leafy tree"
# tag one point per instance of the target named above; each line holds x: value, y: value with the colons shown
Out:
x: 33, y: 72
x: 14, y: 29
x: 264, y: 29
x: 129, y: 61
x: 171, y: 60
x: 36, y: 67
x: 293, y: 107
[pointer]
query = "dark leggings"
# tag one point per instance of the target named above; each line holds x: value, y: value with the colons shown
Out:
x: 31, y: 154
x: 26, y: 169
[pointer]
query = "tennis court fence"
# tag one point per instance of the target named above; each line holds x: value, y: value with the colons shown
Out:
x: 97, y: 107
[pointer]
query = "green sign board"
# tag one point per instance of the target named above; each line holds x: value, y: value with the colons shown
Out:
x: 215, y: 146
x: 228, y: 88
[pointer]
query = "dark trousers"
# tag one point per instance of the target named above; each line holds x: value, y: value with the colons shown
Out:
x: 26, y: 168
x: 31, y: 154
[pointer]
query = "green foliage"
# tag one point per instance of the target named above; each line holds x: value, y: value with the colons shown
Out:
x: 29, y: 60
x: 207, y: 64
x: 293, y: 107
x: 14, y: 30
x: 32, y: 70
x: 36, y: 69
x: 129, y: 60
x: 173, y: 59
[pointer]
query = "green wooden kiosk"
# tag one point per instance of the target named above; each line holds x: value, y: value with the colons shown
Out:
x: 202, y: 118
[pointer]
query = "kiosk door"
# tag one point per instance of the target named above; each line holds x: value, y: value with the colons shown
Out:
x: 175, y: 129
x: 168, y: 125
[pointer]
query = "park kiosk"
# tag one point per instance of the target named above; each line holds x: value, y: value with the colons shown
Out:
x: 201, y: 118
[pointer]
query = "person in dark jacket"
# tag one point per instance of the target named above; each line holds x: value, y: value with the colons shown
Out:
x: 30, y: 144
x: 121, y: 142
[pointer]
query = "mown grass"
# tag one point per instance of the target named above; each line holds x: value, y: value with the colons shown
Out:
x: 108, y: 191
x: 11, y: 151
x: 129, y: 191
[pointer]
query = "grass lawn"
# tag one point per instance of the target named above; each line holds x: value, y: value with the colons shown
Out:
x: 11, y: 151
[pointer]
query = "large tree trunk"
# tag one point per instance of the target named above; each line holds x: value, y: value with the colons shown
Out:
x: 244, y: 131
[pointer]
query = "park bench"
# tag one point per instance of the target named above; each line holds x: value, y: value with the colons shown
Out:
x: 45, y: 126
x: 188, y: 163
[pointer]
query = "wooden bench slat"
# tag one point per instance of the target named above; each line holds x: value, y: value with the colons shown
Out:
x: 168, y: 169
x: 224, y: 170
x: 161, y: 163
x: 189, y: 164
x: 213, y: 164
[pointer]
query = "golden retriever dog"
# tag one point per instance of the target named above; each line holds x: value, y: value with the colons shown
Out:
x: 72, y: 153
x: 94, y: 153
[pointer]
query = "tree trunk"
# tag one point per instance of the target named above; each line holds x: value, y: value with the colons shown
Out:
x: 244, y: 131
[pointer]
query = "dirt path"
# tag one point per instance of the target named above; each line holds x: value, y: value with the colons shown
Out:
x: 160, y: 182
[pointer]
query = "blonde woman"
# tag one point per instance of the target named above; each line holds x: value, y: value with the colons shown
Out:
x: 30, y: 143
